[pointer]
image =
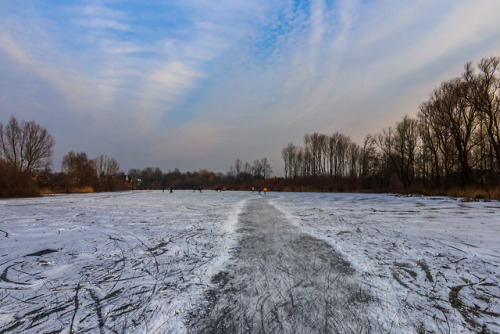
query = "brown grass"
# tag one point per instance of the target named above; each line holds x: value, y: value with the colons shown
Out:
x: 475, y: 193
x: 47, y: 191
x: 82, y: 190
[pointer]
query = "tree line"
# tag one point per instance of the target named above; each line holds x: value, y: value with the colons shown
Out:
x: 26, y: 154
x: 241, y: 175
x: 453, y: 142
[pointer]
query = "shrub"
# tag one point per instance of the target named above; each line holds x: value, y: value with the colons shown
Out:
x: 14, y: 183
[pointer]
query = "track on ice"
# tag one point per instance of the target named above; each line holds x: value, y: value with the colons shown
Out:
x: 280, y: 280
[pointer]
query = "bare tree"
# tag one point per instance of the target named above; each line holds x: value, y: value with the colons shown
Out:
x: 106, y: 166
x: 81, y: 170
x: 485, y: 97
x: 257, y: 168
x: 332, y: 150
x: 342, y: 146
x: 236, y: 169
x: 368, y: 157
x: 26, y: 146
x: 354, y: 156
x: 288, y: 155
x: 112, y: 167
x: 399, y: 146
x: 308, y: 155
x: 100, y: 164
x: 107, y: 170
x: 315, y: 144
x: 266, y: 168
x: 247, y: 168
x: 307, y: 162
x: 406, y: 144
x: 437, y: 140
x: 431, y: 143
x: 460, y: 117
x: 324, y: 147
x: 298, y: 163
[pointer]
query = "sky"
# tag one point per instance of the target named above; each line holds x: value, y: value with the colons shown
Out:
x: 197, y: 84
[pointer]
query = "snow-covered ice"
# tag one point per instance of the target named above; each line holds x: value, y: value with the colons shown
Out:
x: 155, y: 262
x: 111, y: 262
x: 433, y: 263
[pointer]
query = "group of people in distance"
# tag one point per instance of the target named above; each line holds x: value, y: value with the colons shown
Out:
x: 259, y: 190
x: 171, y: 190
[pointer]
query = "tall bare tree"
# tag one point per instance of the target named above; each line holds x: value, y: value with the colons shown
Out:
x: 247, y: 168
x: 332, y: 153
x: 236, y: 169
x: 354, y: 156
x: 406, y: 145
x: 368, y: 157
x: 485, y: 97
x: 460, y: 117
x: 342, y: 146
x: 257, y: 168
x: 266, y: 168
x: 106, y: 166
x: 298, y: 164
x: 26, y: 146
x: 288, y: 154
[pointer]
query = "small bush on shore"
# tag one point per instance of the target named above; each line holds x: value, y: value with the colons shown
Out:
x: 14, y: 183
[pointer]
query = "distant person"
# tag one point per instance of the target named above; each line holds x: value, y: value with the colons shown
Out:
x: 265, y: 191
x: 171, y: 190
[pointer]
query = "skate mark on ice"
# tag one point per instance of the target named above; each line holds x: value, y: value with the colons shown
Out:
x: 280, y: 280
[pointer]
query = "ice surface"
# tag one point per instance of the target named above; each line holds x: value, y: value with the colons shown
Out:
x: 148, y: 261
x: 118, y: 262
x: 433, y: 263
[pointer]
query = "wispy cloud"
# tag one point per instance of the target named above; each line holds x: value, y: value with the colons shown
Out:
x: 347, y: 12
x: 12, y: 49
x: 97, y: 16
x: 65, y: 80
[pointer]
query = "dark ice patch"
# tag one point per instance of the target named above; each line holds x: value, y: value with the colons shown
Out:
x: 43, y: 252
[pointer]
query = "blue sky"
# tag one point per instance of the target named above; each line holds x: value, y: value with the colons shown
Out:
x: 194, y: 84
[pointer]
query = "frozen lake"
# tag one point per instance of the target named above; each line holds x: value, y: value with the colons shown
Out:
x: 232, y: 262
